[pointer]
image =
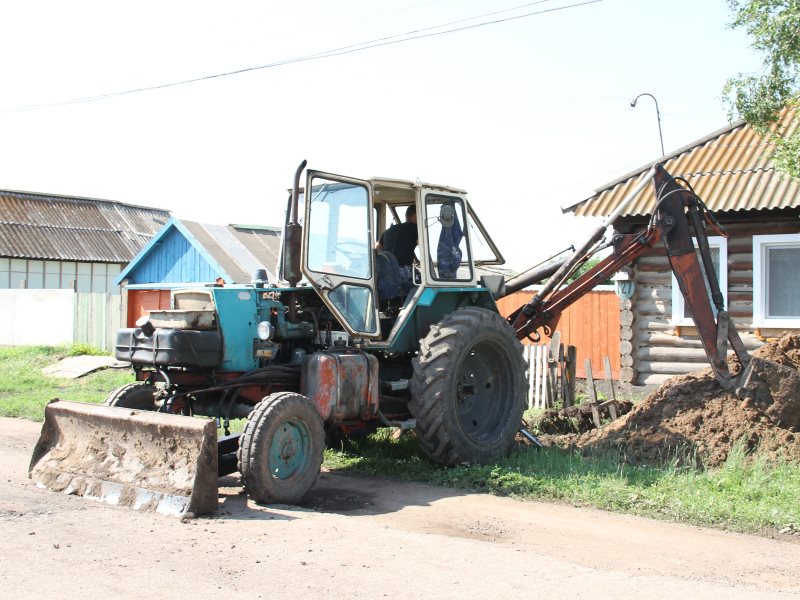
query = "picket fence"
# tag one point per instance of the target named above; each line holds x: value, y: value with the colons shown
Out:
x: 551, y: 373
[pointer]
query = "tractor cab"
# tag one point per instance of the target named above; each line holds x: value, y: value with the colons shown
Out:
x: 362, y: 283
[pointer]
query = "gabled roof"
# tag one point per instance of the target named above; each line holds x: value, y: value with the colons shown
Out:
x: 44, y: 226
x: 232, y: 252
x: 730, y: 169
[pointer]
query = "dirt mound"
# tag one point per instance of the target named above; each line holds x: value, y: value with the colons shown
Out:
x: 690, y: 417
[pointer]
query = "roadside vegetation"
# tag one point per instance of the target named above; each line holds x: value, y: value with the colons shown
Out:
x: 746, y: 494
x: 24, y: 390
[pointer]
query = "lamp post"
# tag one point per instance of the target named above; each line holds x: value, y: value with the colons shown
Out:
x: 658, y: 116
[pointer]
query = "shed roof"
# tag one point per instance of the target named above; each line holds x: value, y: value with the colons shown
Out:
x: 233, y: 252
x: 730, y: 169
x: 45, y: 226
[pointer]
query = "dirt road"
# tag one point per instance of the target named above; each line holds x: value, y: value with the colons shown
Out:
x: 365, y: 538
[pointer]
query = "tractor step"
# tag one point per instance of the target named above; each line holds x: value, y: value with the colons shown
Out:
x: 395, y: 386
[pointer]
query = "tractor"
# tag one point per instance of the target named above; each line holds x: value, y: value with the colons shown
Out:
x: 347, y: 341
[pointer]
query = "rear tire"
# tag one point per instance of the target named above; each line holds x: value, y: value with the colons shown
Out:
x: 280, y: 451
x: 137, y: 395
x: 468, y: 389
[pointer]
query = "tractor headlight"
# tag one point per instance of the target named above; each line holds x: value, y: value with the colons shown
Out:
x: 265, y: 331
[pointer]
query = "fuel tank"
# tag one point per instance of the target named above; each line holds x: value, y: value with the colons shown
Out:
x: 342, y: 384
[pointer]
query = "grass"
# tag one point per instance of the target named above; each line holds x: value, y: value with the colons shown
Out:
x: 24, y: 391
x: 746, y: 494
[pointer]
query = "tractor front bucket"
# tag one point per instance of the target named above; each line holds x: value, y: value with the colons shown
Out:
x: 144, y: 460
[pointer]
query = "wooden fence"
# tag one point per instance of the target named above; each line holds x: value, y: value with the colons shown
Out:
x: 551, y: 378
x: 591, y: 325
x: 551, y: 374
x: 97, y: 317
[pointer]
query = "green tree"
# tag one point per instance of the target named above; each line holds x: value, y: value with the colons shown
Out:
x: 774, y: 27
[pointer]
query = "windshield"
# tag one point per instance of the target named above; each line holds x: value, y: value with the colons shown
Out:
x: 338, y: 230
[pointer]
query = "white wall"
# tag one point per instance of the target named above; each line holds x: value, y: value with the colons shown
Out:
x: 32, y: 317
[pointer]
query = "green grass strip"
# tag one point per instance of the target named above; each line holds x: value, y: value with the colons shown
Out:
x: 24, y: 391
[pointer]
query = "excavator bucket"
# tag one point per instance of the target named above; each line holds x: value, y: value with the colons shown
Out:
x: 144, y: 460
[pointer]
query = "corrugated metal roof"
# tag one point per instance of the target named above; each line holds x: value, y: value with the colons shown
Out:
x: 240, y: 250
x: 44, y: 226
x: 731, y: 169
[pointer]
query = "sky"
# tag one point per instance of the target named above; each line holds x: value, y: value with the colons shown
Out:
x: 526, y: 108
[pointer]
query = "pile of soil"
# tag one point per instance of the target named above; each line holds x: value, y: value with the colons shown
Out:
x: 690, y: 418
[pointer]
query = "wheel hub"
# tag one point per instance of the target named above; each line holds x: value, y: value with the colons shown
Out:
x: 289, y: 451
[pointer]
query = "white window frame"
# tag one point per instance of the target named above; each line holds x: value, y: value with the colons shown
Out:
x: 760, y: 244
x: 678, y: 305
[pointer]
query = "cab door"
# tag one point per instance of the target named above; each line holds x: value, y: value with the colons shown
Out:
x: 338, y: 243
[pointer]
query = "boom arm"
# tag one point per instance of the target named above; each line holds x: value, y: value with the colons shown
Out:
x: 676, y: 209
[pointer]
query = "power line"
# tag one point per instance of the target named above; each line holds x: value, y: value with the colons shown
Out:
x: 350, y: 49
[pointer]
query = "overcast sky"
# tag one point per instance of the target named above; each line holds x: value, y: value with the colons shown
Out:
x: 528, y: 115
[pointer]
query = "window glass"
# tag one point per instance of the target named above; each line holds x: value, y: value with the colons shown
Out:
x: 447, y: 241
x: 338, y: 230
x: 783, y: 282
x: 776, y: 280
x: 356, y: 304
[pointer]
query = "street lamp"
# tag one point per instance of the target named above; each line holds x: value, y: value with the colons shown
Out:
x: 658, y: 115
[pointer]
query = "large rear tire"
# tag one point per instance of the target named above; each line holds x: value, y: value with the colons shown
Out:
x: 468, y: 389
x: 280, y: 451
x: 137, y: 395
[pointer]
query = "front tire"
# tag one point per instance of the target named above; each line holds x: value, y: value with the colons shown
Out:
x: 280, y: 451
x: 137, y: 395
x: 468, y: 389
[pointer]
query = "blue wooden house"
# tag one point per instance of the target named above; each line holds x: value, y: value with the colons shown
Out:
x: 185, y: 254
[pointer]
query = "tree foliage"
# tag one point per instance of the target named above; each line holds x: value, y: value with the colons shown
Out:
x: 774, y: 27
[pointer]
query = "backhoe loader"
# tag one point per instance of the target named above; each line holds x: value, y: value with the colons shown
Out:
x: 343, y: 345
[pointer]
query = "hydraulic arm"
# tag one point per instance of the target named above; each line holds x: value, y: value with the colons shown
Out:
x: 679, y: 215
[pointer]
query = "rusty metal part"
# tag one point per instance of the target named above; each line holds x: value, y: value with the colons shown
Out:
x: 343, y: 385
x: 143, y: 460
x: 677, y: 208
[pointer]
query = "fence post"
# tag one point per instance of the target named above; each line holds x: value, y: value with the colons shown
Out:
x: 569, y: 377
x: 592, y: 393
